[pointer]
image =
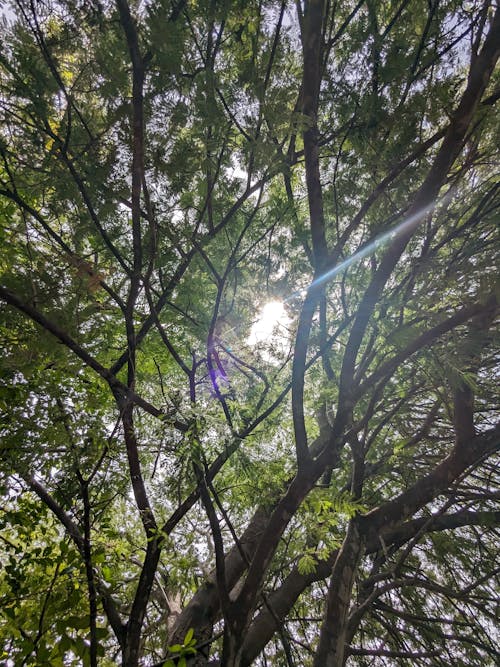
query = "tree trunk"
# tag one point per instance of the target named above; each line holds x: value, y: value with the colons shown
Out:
x: 331, y: 647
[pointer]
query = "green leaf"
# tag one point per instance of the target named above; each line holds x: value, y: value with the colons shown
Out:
x: 102, y: 633
x: 175, y: 648
x: 66, y: 643
x: 189, y: 636
x: 78, y: 622
x: 307, y: 564
x: 156, y: 199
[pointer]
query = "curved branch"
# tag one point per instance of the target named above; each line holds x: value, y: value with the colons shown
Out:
x: 283, y: 599
x: 424, y: 340
x: 479, y: 76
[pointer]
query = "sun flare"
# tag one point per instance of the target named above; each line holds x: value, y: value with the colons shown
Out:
x: 270, y: 324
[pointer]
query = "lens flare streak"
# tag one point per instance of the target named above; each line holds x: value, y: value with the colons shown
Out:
x: 405, y: 225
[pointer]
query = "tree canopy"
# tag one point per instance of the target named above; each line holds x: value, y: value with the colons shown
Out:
x: 247, y: 310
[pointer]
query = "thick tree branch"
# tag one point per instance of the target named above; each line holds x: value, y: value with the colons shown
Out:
x: 332, y: 639
x: 479, y: 76
x: 433, y: 484
x: 283, y: 598
x: 312, y: 38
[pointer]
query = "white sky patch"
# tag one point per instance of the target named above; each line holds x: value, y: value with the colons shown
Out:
x: 271, y: 325
x: 238, y: 172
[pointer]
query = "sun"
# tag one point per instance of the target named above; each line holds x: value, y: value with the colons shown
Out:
x: 271, y: 323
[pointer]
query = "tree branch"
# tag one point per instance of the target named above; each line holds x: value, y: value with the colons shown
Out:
x: 479, y: 76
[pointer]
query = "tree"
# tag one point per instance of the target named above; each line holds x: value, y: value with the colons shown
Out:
x: 179, y: 488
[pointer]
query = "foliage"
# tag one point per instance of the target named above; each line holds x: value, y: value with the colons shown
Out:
x: 177, y: 489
